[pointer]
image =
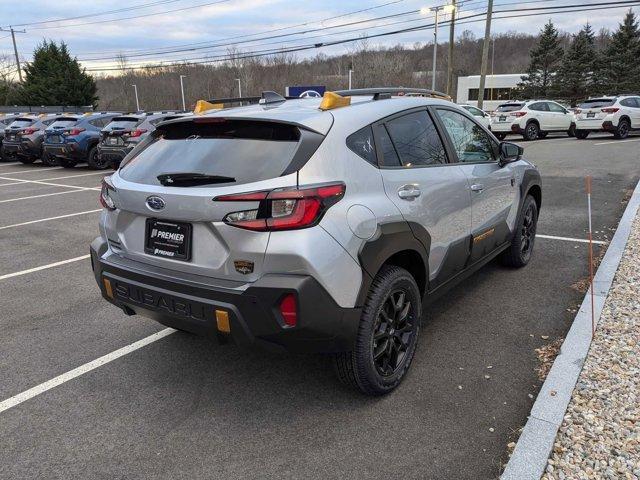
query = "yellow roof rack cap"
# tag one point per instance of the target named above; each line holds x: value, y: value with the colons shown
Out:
x: 203, y: 106
x: 332, y: 100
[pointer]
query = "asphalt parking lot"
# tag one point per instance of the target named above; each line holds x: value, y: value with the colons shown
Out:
x: 185, y: 407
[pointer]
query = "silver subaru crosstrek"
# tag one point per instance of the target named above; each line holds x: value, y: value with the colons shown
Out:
x: 314, y: 225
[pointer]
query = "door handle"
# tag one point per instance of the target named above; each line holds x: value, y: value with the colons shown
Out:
x: 477, y: 187
x: 409, y: 191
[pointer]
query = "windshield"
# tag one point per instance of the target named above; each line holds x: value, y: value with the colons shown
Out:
x: 246, y: 151
x: 123, y: 123
x: 597, y: 103
x: 63, y: 122
x: 509, y: 107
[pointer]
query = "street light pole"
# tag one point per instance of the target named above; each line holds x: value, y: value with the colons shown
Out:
x: 135, y: 89
x: 184, y: 107
x: 485, y: 54
x: 350, y: 72
x: 239, y: 87
x: 15, y: 48
x: 435, y: 47
x: 452, y: 42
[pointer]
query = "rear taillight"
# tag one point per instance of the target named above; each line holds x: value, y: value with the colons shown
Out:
x: 283, y: 209
x: 74, y: 131
x: 105, y: 198
x: 137, y: 132
x: 518, y: 114
x: 29, y: 131
x: 289, y: 310
x: 609, y: 109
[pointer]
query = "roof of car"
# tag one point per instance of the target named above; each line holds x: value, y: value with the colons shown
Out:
x: 306, y: 112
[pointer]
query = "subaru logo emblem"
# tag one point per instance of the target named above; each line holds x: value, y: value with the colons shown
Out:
x: 155, y: 203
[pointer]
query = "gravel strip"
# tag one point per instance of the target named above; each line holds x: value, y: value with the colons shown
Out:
x: 600, y: 435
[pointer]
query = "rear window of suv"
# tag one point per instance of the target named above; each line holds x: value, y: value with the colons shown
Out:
x: 509, y: 107
x: 597, y: 103
x: 123, y: 123
x: 247, y: 151
x: 21, y: 122
x: 64, y: 122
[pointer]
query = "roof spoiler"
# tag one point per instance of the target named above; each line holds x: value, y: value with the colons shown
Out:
x: 381, y: 93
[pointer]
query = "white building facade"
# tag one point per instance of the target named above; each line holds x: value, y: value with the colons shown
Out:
x: 497, y: 89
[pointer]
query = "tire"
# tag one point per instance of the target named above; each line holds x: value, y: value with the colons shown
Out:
x: 381, y: 357
x: 531, y: 131
x: 500, y: 136
x: 572, y: 131
x: 67, y: 162
x: 48, y: 160
x: 623, y: 129
x: 95, y: 162
x: 582, y: 134
x: 543, y: 134
x: 26, y: 160
x: 519, y: 252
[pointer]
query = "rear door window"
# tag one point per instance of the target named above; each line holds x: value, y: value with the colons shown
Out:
x: 361, y: 143
x: 629, y: 102
x: 416, y: 139
x: 470, y: 141
x: 242, y: 150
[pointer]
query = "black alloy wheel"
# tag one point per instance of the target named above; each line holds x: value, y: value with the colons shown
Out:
x: 623, y: 129
x: 528, y: 232
x: 520, y: 251
x: 393, y: 333
x: 531, y: 131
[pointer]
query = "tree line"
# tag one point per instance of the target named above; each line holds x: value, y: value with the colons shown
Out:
x: 585, y: 67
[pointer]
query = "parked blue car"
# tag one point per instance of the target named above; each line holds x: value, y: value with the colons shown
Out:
x: 73, y: 139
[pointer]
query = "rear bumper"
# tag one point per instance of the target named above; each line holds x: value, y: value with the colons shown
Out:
x: 503, y: 127
x: 113, y: 154
x: 596, y: 125
x: 65, y: 150
x: 25, y: 148
x: 190, y: 304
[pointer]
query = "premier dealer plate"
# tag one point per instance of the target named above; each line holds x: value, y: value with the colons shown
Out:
x: 168, y: 239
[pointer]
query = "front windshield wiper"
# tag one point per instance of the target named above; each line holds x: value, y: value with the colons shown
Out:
x: 191, y: 179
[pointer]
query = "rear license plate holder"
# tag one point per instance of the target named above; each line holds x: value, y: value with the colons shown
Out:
x: 168, y: 239
x: 502, y: 118
x: 591, y: 114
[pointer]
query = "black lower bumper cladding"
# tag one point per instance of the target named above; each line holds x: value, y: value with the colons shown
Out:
x: 189, y: 303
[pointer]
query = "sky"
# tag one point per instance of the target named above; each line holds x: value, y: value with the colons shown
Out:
x: 144, y: 30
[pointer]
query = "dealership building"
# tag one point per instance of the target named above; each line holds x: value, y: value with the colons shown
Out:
x: 497, y: 89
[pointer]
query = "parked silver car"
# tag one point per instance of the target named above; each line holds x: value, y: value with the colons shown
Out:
x: 314, y: 225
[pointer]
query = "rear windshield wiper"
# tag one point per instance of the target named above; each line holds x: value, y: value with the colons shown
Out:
x: 191, y: 179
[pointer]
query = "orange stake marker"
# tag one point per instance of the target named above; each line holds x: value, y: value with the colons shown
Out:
x: 593, y: 320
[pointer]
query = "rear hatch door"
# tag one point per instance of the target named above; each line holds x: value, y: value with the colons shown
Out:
x: 592, y: 109
x: 154, y: 212
x: 114, y: 134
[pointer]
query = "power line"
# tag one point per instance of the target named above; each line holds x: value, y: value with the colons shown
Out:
x: 108, y: 12
x: 464, y: 20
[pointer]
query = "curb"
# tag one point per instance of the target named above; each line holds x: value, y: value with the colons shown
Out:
x: 529, y: 458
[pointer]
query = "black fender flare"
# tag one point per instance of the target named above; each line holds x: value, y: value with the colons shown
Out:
x: 531, y: 178
x: 393, y: 238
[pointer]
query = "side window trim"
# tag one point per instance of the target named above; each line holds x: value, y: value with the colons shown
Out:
x: 451, y: 151
x: 383, y: 121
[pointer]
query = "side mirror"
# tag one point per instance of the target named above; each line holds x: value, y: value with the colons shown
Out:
x: 510, y: 152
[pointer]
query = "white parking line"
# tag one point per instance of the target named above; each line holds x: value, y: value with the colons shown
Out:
x: 570, y: 239
x: 19, y: 180
x: 50, y: 218
x: 9, y: 164
x: 34, y: 170
x: 82, y: 369
x: 43, y: 267
x: 618, y: 141
x: 77, y: 189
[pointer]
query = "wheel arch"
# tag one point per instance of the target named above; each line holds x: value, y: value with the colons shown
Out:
x: 403, y: 244
x: 625, y: 117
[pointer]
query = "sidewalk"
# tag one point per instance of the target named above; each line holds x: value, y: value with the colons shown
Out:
x: 600, y: 435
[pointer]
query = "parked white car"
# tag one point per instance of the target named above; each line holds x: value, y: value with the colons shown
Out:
x: 482, y: 117
x: 617, y: 115
x: 532, y: 119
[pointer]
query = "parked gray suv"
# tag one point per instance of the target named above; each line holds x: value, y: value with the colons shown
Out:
x: 314, y: 225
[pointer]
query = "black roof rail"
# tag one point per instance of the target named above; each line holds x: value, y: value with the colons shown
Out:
x: 382, y: 92
x: 249, y: 100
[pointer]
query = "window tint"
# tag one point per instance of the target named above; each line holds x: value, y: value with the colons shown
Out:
x: 469, y: 140
x: 389, y: 155
x: 629, y: 102
x: 361, y: 143
x: 539, y: 107
x: 509, y: 107
x: 554, y: 107
x: 597, y: 103
x: 247, y: 151
x: 416, y: 139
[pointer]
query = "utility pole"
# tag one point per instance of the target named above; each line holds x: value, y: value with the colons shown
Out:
x: 435, y: 47
x: 485, y: 54
x: 135, y: 89
x: 182, y: 91
x: 451, y: 45
x: 350, y: 72
x: 15, y: 48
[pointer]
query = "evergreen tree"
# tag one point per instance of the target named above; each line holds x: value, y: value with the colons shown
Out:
x: 575, y: 78
x: 545, y: 58
x: 620, y: 69
x: 54, y: 78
